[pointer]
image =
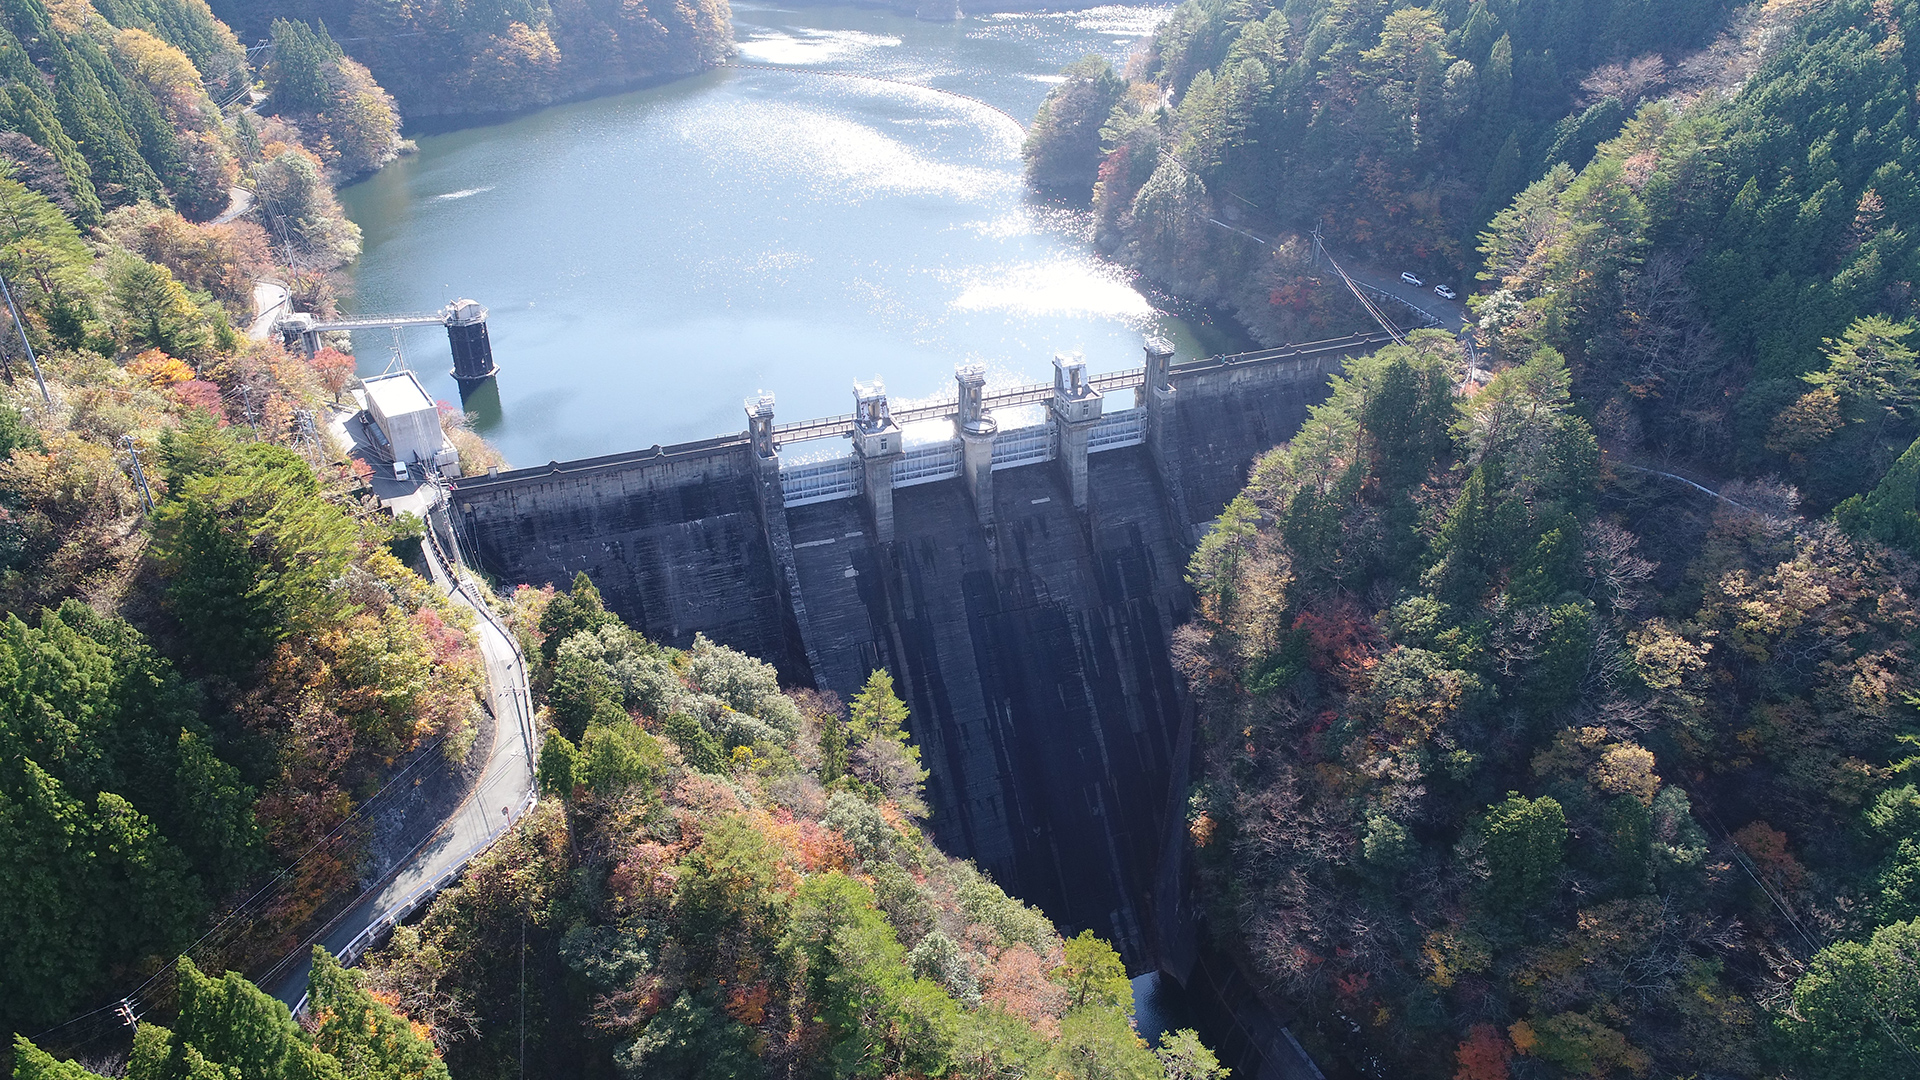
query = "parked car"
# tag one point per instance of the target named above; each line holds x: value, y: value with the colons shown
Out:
x: 1411, y: 280
x: 400, y: 471
x: 1444, y: 293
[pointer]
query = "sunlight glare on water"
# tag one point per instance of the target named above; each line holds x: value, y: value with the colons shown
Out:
x: 810, y: 47
x: 841, y: 159
x: 1061, y: 286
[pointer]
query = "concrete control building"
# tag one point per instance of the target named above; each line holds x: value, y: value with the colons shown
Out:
x: 409, y: 419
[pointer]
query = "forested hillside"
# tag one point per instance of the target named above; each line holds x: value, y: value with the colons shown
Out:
x: 331, y: 101
x: 1697, y: 216
x: 1732, y: 279
x: 227, y: 1028
x: 199, y: 693
x: 729, y: 881
x: 460, y: 58
x: 1517, y: 765
x: 209, y: 654
x: 1402, y: 128
x: 98, y: 113
x: 1524, y: 754
x: 1398, y: 130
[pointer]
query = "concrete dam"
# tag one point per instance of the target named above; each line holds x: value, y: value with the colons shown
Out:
x: 1022, y: 583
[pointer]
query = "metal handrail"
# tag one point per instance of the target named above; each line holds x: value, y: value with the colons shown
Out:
x: 843, y: 425
x: 1035, y: 393
x: 454, y: 567
x: 1027, y: 394
x: 387, y: 920
x: 799, y: 429
x: 406, y: 905
x: 374, y: 322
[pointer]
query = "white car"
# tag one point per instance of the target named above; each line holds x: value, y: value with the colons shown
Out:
x: 1444, y: 293
x: 400, y: 471
x: 1411, y: 280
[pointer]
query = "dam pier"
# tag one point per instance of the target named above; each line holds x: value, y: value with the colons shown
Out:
x: 1021, y: 580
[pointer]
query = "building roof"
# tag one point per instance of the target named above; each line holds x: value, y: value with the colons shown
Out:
x: 397, y: 394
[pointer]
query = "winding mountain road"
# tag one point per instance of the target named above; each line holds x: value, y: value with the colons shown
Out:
x: 502, y: 792
x: 271, y: 301
x: 1447, y: 314
x: 239, y: 201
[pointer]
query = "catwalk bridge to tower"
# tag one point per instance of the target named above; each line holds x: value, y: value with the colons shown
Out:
x: 465, y: 320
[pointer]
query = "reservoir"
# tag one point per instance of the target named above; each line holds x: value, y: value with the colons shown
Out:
x: 650, y: 259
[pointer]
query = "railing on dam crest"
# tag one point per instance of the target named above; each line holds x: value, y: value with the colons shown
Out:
x: 1073, y: 398
x: 820, y: 481
x: 1023, y: 446
x: 844, y: 476
x: 927, y: 463
x: 839, y: 477
x: 1115, y: 430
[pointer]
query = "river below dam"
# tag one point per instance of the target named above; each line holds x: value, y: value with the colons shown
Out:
x: 650, y: 259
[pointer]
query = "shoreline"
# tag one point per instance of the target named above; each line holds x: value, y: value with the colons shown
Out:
x: 415, y: 123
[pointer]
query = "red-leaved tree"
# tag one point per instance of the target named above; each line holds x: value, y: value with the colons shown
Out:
x: 1484, y: 1055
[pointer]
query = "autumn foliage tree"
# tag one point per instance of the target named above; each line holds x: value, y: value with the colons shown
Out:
x: 346, y: 117
x: 229, y: 1027
x: 1483, y: 1055
x: 1467, y: 753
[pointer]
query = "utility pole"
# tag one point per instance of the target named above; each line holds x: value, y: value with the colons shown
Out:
x: 523, y: 712
x: 139, y: 474
x: 523, y: 997
x: 306, y: 435
x: 22, y: 328
x: 247, y: 409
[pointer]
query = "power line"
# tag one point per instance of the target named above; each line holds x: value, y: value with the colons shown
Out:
x: 126, y: 1004
x: 253, y: 901
x: 1392, y: 330
x: 1866, y: 993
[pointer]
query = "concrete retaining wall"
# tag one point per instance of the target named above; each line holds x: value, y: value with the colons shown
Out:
x: 1226, y: 415
x: 1033, y: 656
x: 673, y: 537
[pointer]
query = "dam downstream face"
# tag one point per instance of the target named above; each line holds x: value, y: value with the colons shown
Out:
x: 652, y: 258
